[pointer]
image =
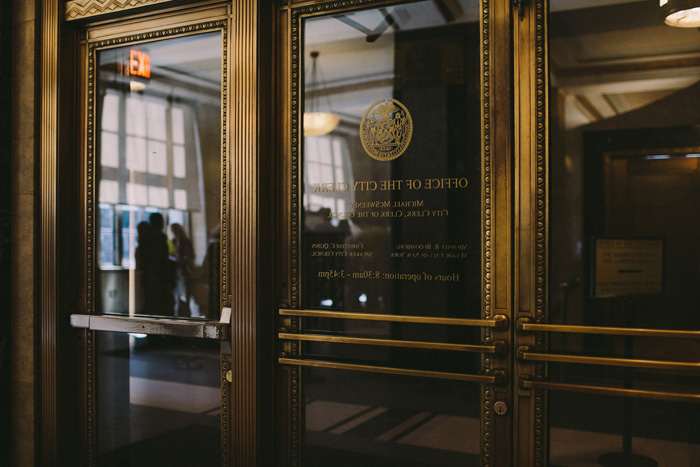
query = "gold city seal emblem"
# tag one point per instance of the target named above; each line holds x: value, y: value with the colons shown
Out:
x: 386, y: 129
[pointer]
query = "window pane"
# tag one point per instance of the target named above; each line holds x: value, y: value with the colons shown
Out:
x: 178, y: 118
x: 386, y: 207
x: 107, y: 236
x: 135, y: 116
x: 110, y: 149
x: 169, y: 136
x: 157, y: 158
x: 156, y: 120
x: 110, y: 112
x: 624, y: 250
x: 158, y: 196
x: 158, y: 401
x: 109, y: 191
x: 136, y: 194
x: 179, y: 169
x: 136, y: 154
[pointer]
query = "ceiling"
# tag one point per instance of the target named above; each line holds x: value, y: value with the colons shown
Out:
x: 616, y: 57
x: 607, y: 57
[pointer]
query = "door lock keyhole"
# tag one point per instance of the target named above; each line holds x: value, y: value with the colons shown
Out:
x: 500, y: 407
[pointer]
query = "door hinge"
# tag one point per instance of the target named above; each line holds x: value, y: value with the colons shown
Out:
x: 520, y: 5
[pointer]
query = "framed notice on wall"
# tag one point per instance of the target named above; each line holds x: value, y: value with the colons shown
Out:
x: 624, y: 266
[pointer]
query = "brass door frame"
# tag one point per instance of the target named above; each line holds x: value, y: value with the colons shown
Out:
x: 531, y: 248
x: 68, y: 30
x: 105, y: 35
x: 530, y: 208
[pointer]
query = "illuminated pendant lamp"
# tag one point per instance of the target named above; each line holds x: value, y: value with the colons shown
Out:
x: 681, y: 13
x: 318, y: 123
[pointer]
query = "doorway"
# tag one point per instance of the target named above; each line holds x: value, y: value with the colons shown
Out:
x: 155, y: 324
x: 420, y: 233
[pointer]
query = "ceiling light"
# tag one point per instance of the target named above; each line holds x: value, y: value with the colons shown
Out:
x: 136, y: 86
x: 658, y: 157
x: 681, y: 13
x: 318, y: 123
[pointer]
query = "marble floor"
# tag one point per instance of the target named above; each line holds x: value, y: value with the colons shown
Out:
x: 568, y: 447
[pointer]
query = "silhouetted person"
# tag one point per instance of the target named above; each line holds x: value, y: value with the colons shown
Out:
x: 185, y: 265
x: 158, y: 271
x: 324, y: 221
x: 144, y: 275
x: 210, y: 274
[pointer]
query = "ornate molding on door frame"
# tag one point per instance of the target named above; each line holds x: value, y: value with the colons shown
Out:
x: 541, y: 219
x: 79, y: 9
x: 487, y: 395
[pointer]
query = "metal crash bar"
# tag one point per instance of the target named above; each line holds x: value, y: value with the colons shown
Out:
x: 607, y: 391
x: 498, y: 321
x: 220, y: 330
x: 526, y: 325
x: 498, y: 377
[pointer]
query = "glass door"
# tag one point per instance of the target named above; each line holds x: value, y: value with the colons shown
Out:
x: 487, y: 243
x: 393, y: 318
x: 153, y: 325
x: 607, y: 355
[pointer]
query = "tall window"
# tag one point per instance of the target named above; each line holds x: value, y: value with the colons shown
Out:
x: 144, y: 170
x: 327, y: 161
x: 157, y: 156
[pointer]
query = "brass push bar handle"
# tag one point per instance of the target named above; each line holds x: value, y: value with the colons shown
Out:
x: 498, y: 347
x: 498, y: 321
x: 636, y: 393
x: 497, y: 378
x: 524, y: 354
x: 525, y: 325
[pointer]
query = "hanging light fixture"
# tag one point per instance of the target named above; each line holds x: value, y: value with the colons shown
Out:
x: 318, y: 123
x: 681, y: 13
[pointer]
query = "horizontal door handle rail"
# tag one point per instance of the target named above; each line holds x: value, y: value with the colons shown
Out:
x: 525, y: 325
x: 524, y: 354
x: 607, y: 391
x: 498, y: 346
x: 497, y: 378
x: 156, y: 326
x: 498, y: 321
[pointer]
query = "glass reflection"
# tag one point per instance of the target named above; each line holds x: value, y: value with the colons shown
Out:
x: 392, y: 225
x: 158, y: 164
x: 582, y: 436
x: 380, y: 420
x: 158, y: 400
x: 624, y: 169
x: 392, y: 198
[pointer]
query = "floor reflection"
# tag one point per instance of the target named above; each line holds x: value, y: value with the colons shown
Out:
x: 383, y: 435
x: 577, y: 448
x: 169, y: 412
x: 370, y: 419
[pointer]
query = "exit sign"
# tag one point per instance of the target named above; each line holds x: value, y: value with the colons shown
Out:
x: 139, y: 64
